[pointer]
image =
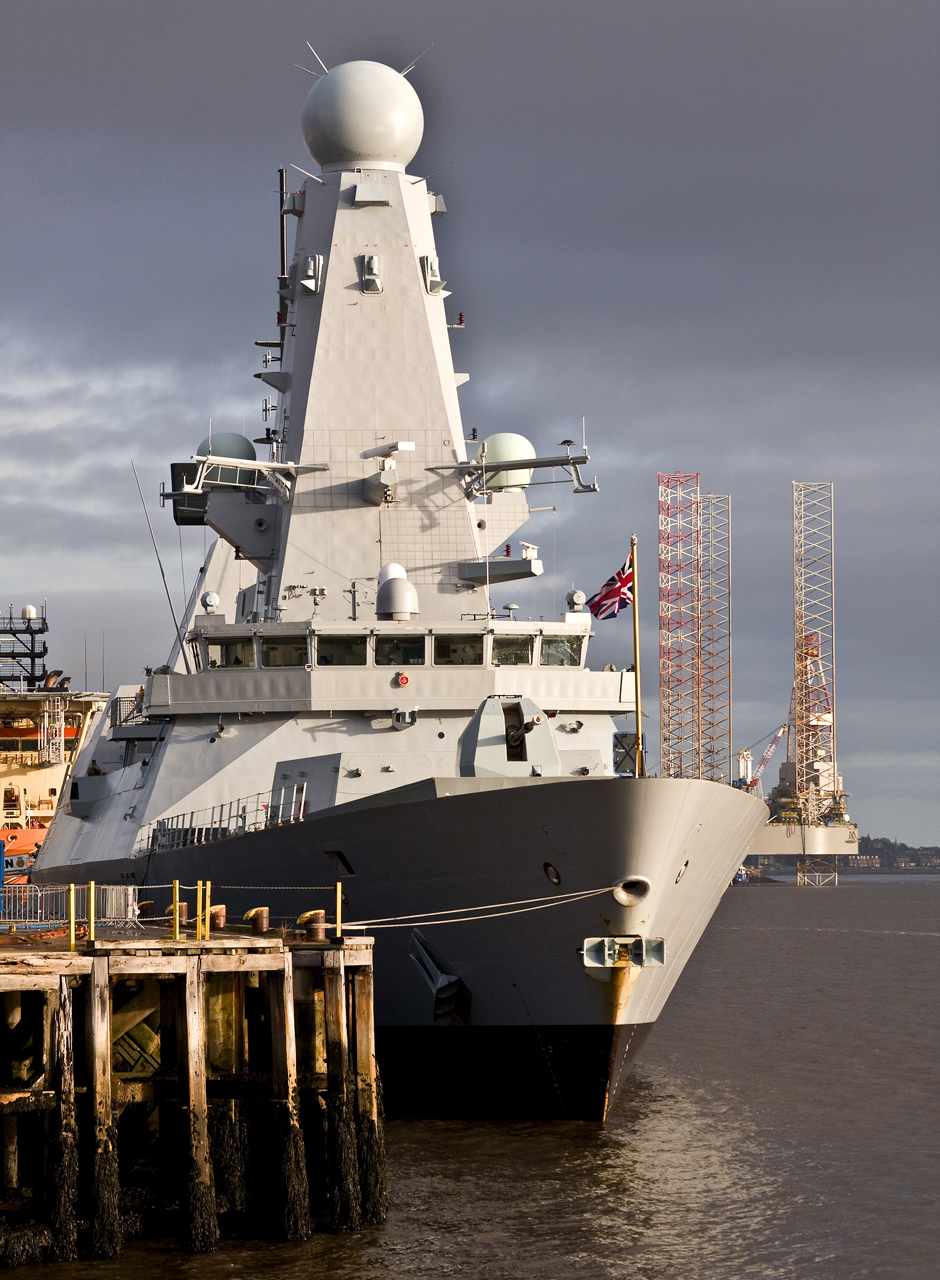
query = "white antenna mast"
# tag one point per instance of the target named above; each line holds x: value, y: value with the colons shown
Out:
x: 304, y: 171
x: 317, y: 56
x: 411, y: 65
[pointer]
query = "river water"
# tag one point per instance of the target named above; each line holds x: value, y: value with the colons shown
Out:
x: 783, y: 1123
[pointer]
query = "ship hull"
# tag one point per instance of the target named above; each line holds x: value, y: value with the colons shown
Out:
x: 517, y: 1024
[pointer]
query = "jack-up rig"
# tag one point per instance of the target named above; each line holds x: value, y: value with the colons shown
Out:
x: 808, y: 820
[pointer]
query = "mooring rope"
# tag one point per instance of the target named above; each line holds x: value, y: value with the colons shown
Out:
x: 455, y: 915
x: 519, y: 907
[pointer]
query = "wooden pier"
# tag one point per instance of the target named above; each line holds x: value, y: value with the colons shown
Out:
x: 152, y: 1086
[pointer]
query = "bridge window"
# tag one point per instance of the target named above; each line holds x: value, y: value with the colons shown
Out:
x: 561, y: 651
x: 458, y: 651
x: 513, y: 651
x: 399, y: 651
x: 285, y: 651
x: 341, y: 651
x: 231, y: 653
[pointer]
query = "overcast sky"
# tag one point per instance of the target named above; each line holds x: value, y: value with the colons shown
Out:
x: 710, y: 226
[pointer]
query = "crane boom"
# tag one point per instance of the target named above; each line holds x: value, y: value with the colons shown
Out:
x: 765, y: 758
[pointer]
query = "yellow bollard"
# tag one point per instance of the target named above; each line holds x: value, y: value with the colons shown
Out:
x: 205, y: 927
x: 71, y: 917
x: 176, y: 911
x: 339, y: 908
x: 198, y: 910
x: 91, y: 910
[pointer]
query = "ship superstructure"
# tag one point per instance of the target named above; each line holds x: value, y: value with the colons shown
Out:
x: 42, y: 726
x: 346, y: 701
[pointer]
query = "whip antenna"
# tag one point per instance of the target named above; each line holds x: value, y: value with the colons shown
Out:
x: 166, y: 587
x: 317, y: 56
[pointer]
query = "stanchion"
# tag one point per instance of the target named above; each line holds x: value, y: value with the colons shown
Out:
x: 198, y: 910
x: 339, y: 908
x: 71, y: 917
x: 176, y: 911
x: 91, y: 910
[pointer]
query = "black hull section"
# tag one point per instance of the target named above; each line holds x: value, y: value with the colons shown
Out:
x: 502, y: 1073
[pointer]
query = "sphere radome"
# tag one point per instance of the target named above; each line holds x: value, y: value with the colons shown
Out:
x: 362, y: 113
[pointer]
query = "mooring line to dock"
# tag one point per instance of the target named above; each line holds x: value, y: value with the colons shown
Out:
x: 519, y: 907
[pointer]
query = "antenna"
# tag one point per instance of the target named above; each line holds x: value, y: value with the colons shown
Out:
x: 411, y: 65
x: 308, y: 71
x: 166, y: 588
x: 434, y: 174
x: 282, y: 193
x: 317, y: 56
x: 306, y: 174
x: 584, y: 435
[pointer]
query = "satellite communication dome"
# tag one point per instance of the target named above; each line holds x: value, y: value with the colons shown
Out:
x: 506, y: 447
x: 227, y: 444
x: 391, y: 570
x: 362, y: 113
x: 28, y: 612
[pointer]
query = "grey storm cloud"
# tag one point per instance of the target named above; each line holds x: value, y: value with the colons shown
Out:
x: 707, y: 227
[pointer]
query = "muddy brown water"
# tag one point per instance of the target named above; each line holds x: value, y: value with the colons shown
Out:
x: 783, y: 1122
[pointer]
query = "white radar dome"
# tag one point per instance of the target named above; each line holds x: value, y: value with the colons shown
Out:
x: 391, y: 570
x: 506, y: 447
x: 362, y: 113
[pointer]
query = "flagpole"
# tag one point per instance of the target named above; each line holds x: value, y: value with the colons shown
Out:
x: 640, y: 761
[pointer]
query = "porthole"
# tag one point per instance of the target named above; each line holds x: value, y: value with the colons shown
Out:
x: 682, y: 870
x: 441, y: 734
x: 552, y: 872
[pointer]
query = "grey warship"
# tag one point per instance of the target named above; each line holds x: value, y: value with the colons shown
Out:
x: 344, y: 702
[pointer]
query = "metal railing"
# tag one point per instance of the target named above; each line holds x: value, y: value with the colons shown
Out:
x: 125, y: 711
x: 35, y: 906
x: 221, y: 822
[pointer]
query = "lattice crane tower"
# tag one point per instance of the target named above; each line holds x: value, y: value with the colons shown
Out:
x: 716, y: 637
x: 680, y: 626
x: 818, y: 786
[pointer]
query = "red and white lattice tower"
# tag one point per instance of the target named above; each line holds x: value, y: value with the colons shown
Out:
x: 680, y: 626
x: 716, y: 637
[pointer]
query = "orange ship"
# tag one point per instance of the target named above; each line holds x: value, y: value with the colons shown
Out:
x: 42, y: 725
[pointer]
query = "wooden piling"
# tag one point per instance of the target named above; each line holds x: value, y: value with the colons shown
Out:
x: 201, y: 1234
x: 63, y: 1194
x: 342, y: 1172
x: 105, y: 1212
x: 370, y: 1138
x: 293, y: 1170
x: 289, y: 1092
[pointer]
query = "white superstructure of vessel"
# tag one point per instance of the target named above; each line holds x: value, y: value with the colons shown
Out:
x: 347, y: 702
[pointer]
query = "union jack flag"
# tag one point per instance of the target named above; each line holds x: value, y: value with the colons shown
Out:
x: 614, y: 594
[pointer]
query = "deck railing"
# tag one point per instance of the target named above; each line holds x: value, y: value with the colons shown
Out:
x: 220, y: 822
x: 34, y: 905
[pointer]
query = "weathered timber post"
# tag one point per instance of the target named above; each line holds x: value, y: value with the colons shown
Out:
x: 225, y: 1056
x: 373, y: 1184
x: 342, y: 1170
x: 106, y: 1221
x: 64, y: 1189
x: 287, y: 1101
x: 202, y: 1228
